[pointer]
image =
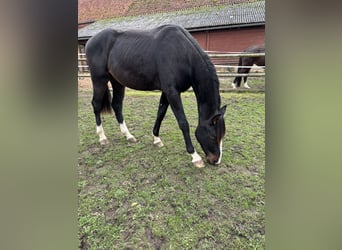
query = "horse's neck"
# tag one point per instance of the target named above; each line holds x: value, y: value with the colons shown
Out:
x: 206, y: 88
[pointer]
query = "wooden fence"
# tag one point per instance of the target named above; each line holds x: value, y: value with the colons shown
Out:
x: 226, y: 64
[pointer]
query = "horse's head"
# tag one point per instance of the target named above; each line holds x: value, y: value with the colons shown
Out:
x: 210, y: 134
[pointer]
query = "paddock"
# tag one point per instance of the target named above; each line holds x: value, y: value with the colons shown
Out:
x: 138, y: 196
x: 225, y: 63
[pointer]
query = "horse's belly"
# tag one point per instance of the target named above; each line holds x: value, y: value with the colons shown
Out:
x: 140, y: 85
x: 137, y: 81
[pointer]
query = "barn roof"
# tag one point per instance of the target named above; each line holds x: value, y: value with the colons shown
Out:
x: 225, y: 16
x: 102, y: 9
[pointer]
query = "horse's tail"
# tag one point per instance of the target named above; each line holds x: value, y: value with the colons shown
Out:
x: 238, y: 79
x: 106, y: 102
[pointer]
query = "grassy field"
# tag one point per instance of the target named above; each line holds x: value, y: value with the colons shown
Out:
x: 137, y: 196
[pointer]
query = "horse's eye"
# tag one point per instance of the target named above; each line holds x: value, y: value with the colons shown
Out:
x: 212, y: 137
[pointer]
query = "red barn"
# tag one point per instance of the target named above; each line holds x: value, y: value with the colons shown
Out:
x: 228, y: 26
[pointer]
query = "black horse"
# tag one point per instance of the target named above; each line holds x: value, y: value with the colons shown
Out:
x: 246, y: 62
x: 166, y: 58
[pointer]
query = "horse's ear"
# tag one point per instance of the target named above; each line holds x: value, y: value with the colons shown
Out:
x: 223, y: 109
x: 215, y: 118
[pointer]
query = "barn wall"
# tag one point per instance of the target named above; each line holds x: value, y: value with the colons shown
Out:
x: 230, y: 40
x: 201, y: 38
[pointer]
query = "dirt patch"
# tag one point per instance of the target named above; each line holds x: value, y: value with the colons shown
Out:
x: 111, y: 215
x: 84, y: 243
x: 84, y: 83
x: 154, y: 240
x: 92, y: 189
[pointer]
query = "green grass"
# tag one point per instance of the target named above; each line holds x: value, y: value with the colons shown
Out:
x: 257, y: 85
x: 137, y: 196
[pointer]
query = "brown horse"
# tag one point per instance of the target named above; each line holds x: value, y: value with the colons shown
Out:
x: 246, y: 62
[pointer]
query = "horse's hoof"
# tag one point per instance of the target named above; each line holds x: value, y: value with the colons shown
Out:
x: 159, y: 144
x: 246, y: 86
x: 132, y: 139
x: 199, y: 164
x: 157, y: 141
x: 103, y: 141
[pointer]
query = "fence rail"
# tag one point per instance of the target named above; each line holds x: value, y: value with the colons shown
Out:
x: 235, y: 55
x: 224, y: 63
x: 253, y: 74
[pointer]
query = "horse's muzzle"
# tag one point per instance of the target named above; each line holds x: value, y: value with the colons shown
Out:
x: 213, y: 158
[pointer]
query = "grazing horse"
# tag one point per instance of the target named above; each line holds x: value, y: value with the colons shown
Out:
x: 166, y: 58
x: 246, y: 62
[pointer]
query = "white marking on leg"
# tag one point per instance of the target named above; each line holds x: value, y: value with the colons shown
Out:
x: 196, y: 157
x: 157, y: 141
x: 197, y: 160
x: 219, y: 160
x: 233, y: 85
x: 125, y: 131
x: 100, y: 132
x: 246, y: 85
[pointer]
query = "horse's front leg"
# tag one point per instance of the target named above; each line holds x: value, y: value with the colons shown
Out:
x: 178, y: 110
x: 163, y: 105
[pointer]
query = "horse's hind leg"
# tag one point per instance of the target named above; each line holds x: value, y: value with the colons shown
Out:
x: 242, y: 71
x: 118, y: 96
x: 163, y: 105
x: 236, y: 82
x: 100, y: 103
x: 245, y: 84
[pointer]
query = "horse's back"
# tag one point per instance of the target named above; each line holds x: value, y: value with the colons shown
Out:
x: 139, y: 59
x: 146, y: 43
x: 257, y: 60
x: 260, y: 48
